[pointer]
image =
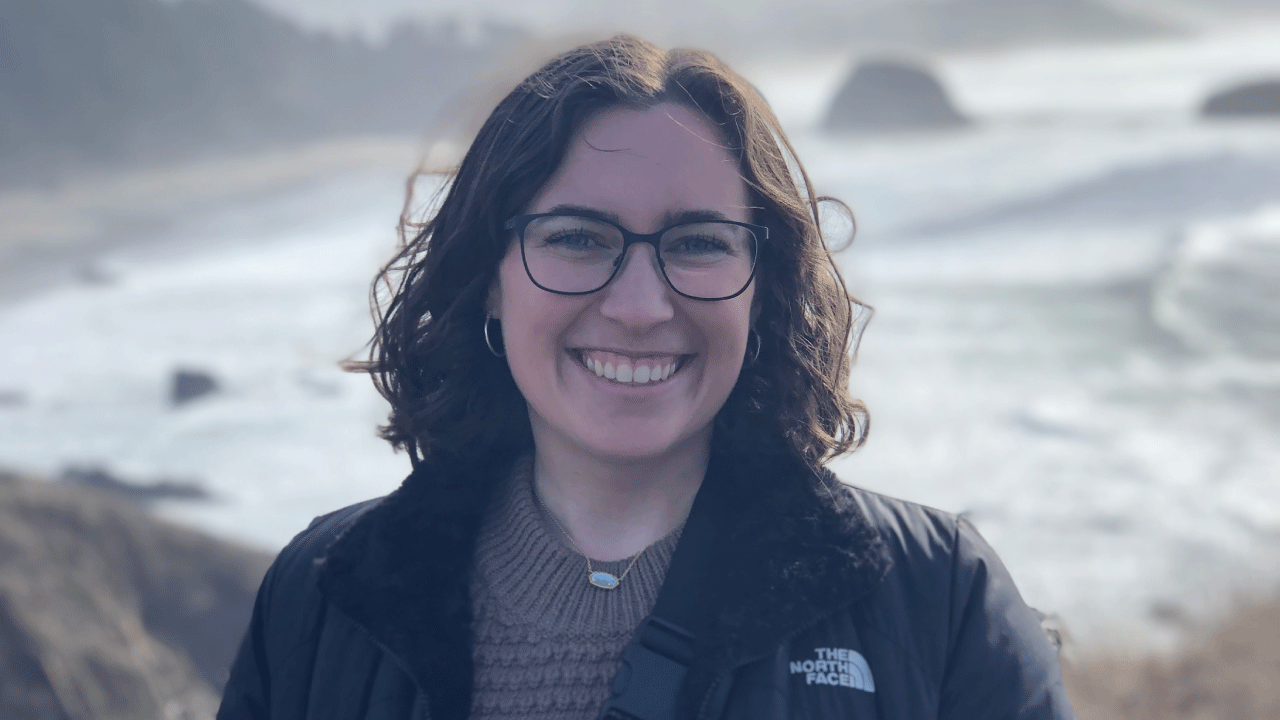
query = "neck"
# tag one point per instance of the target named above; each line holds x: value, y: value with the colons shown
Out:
x: 613, y: 509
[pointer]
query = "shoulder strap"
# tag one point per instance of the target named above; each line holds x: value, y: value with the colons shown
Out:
x: 656, y: 660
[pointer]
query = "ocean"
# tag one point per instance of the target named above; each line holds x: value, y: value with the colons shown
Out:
x: 1075, y: 342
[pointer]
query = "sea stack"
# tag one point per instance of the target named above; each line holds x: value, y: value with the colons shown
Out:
x: 1258, y: 99
x: 884, y: 95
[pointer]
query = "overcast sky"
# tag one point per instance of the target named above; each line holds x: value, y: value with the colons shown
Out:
x: 645, y: 16
x: 671, y: 22
x: 660, y: 20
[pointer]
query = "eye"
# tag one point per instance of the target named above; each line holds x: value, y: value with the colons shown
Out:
x: 697, y: 245
x: 572, y: 238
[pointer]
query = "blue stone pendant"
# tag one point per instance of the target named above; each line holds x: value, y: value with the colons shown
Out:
x: 603, y: 580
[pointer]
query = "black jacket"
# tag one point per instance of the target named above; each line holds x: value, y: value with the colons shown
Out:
x: 820, y: 601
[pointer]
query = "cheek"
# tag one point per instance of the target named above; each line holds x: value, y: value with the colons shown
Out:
x: 512, y: 308
x: 510, y: 272
x: 738, y: 320
x: 534, y: 323
x: 727, y: 335
x: 518, y: 307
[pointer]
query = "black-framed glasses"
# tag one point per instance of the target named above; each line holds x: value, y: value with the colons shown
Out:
x: 576, y: 255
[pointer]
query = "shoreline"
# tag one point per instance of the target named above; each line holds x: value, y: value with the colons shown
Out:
x: 52, y: 233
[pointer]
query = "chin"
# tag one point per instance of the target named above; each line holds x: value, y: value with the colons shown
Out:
x: 631, y: 445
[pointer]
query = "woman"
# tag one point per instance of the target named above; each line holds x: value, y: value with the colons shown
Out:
x: 622, y: 305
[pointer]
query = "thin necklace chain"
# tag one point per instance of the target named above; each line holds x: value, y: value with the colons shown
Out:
x: 538, y: 498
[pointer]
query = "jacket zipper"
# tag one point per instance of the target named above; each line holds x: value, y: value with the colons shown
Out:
x: 706, y: 698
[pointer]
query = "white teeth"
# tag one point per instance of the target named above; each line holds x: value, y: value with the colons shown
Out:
x: 629, y: 374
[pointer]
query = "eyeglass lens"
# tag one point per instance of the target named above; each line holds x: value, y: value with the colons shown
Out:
x: 566, y: 253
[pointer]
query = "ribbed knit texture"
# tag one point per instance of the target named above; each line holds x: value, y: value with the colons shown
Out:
x: 547, y: 643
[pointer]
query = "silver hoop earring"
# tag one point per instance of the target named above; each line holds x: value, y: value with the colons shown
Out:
x: 755, y: 354
x: 487, y: 341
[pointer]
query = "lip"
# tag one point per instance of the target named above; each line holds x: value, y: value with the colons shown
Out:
x: 627, y: 352
x: 579, y: 354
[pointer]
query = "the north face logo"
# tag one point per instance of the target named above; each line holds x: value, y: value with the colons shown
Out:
x: 836, y: 666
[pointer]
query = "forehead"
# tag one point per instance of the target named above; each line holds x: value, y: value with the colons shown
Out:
x: 642, y: 165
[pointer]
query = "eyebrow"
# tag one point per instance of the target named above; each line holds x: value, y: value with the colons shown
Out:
x: 671, y: 217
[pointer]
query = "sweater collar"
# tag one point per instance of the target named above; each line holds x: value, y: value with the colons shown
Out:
x: 795, y: 548
x: 530, y: 576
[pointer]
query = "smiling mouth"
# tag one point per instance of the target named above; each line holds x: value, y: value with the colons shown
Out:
x: 627, y: 370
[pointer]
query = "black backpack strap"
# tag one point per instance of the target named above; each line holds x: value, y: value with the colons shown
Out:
x: 656, y: 660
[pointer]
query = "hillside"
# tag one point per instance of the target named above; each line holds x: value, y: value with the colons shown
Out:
x: 943, y: 25
x: 138, y: 80
x: 107, y: 613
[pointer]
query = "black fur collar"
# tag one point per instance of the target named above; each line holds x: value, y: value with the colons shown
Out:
x: 798, y: 549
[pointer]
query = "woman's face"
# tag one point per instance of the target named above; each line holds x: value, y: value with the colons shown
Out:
x: 643, y: 169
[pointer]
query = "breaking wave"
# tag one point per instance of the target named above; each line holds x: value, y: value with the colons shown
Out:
x: 1220, y: 293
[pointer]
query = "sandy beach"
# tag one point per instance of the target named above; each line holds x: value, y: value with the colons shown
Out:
x: 53, y: 233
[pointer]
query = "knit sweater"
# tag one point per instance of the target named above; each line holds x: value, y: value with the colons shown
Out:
x: 547, y: 643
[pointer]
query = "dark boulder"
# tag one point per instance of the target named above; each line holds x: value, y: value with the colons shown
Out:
x: 1259, y: 99
x: 890, y: 95
x: 188, y: 385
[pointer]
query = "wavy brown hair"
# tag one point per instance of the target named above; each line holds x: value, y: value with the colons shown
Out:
x: 451, y: 398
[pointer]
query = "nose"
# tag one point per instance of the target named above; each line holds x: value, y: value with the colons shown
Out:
x: 638, y: 296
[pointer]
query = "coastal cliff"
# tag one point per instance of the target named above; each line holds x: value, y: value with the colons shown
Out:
x: 108, y: 613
